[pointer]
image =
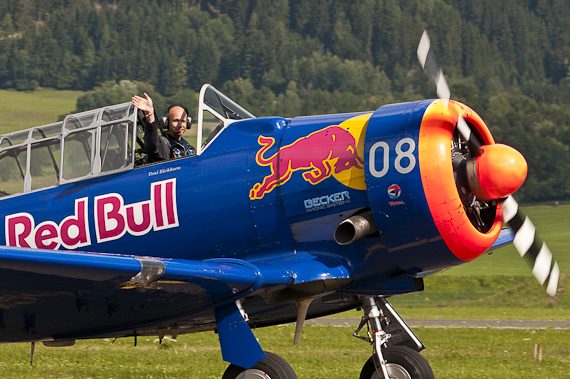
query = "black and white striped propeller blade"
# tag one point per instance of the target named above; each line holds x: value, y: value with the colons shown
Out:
x: 429, y: 63
x: 545, y: 268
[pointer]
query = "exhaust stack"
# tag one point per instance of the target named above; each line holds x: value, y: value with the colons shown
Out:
x: 355, y: 228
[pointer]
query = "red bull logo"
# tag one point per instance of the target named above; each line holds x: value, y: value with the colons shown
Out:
x: 336, y: 150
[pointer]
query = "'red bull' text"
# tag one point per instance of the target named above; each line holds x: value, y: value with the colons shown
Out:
x: 113, y: 218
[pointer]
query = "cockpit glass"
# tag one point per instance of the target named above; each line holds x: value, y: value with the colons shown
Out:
x: 47, y: 131
x: 215, y: 112
x: 15, y: 138
x: 118, y: 112
x: 225, y: 106
x: 81, y: 120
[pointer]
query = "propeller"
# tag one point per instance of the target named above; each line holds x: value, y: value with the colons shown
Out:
x: 527, y: 243
x: 429, y: 63
x: 494, y: 172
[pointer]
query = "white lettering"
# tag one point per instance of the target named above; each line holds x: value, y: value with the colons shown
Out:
x: 405, y: 168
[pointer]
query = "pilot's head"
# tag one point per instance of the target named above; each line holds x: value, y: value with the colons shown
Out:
x: 177, y: 121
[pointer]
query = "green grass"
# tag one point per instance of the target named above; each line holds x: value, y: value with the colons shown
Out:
x: 324, y: 352
x: 489, y: 291
x: 22, y: 110
x: 486, y: 297
x: 463, y: 313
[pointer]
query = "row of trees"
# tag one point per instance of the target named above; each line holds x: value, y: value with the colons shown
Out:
x: 175, y: 44
x: 508, y: 60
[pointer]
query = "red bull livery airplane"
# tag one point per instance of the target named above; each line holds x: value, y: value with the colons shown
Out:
x: 274, y: 220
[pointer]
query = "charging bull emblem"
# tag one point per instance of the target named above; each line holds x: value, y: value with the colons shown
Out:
x: 323, y: 153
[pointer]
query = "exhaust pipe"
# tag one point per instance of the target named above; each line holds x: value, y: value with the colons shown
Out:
x: 354, y: 228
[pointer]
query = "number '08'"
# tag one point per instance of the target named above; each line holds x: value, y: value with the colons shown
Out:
x: 404, y: 149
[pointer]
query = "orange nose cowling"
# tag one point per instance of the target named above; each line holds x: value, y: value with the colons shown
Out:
x: 498, y: 172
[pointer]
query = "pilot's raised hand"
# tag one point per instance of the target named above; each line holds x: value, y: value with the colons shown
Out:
x: 145, y: 105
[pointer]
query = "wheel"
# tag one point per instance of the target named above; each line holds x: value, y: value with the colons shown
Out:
x: 402, y: 363
x: 270, y: 367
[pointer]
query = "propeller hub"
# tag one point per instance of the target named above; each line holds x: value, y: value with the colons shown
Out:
x: 498, y: 172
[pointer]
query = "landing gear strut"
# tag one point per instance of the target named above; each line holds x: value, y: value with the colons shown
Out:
x: 395, y: 354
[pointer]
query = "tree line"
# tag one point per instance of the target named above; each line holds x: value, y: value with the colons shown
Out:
x: 508, y: 60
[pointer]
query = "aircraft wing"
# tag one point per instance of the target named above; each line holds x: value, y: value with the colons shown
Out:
x: 222, y: 278
x: 91, y: 294
x: 134, y: 290
x: 48, y: 295
x: 506, y: 237
x: 129, y: 271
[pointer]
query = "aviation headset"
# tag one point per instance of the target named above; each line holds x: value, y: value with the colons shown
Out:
x: 164, y: 118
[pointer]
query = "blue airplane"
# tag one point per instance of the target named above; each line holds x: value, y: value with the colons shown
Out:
x: 273, y: 220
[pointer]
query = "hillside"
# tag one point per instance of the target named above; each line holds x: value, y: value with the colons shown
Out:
x: 508, y: 60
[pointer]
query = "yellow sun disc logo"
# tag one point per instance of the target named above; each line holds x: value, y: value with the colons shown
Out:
x: 354, y: 177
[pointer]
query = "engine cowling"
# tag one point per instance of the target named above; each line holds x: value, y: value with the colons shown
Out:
x: 421, y: 195
x: 463, y: 237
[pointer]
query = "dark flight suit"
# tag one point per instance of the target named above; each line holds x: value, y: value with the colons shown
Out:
x: 162, y: 147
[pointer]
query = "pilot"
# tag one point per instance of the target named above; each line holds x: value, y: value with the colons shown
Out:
x: 171, y: 144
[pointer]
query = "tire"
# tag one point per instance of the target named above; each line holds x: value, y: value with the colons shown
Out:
x: 270, y: 367
x: 402, y: 363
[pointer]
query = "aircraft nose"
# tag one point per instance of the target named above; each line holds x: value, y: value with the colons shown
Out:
x: 498, y: 172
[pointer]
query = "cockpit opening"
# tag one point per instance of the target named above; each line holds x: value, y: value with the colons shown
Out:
x: 98, y: 142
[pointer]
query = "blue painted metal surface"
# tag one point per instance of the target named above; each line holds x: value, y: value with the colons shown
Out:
x: 239, y: 345
x: 505, y: 238
x: 114, y: 283
x: 304, y: 200
x: 397, y: 195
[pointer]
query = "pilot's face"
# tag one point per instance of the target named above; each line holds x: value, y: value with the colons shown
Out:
x: 177, y: 119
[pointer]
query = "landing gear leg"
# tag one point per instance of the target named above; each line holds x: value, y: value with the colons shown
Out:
x: 377, y: 337
x: 395, y: 355
x: 240, y: 348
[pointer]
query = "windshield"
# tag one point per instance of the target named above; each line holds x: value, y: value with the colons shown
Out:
x: 224, y: 105
x: 215, y: 112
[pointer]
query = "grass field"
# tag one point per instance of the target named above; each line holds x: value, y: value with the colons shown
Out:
x: 22, y: 110
x: 324, y: 352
